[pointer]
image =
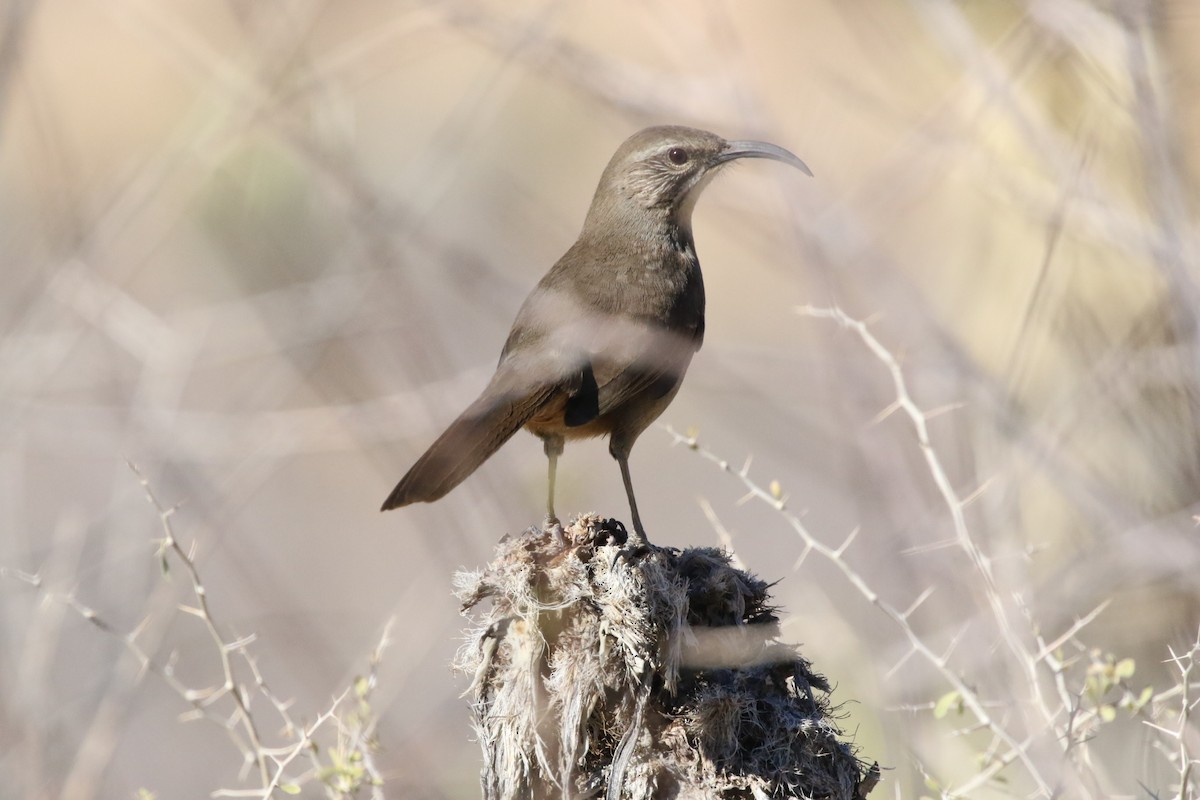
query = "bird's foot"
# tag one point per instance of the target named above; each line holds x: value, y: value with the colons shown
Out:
x: 637, y: 537
x: 635, y: 543
x: 552, y: 526
x: 638, y: 541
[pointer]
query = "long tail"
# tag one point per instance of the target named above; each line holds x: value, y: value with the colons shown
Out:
x: 470, y: 440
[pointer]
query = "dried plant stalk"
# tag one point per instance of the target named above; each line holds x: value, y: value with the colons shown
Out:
x: 603, y: 670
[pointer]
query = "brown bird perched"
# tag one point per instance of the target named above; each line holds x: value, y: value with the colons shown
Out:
x: 601, y: 344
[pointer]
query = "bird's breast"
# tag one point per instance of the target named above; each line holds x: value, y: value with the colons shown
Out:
x: 663, y: 285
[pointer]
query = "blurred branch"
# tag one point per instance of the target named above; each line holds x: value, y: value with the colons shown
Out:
x: 12, y: 40
x: 1175, y: 253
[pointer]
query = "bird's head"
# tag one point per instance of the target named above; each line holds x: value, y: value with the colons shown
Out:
x: 657, y: 174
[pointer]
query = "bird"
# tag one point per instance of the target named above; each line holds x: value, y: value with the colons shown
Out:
x: 601, y: 344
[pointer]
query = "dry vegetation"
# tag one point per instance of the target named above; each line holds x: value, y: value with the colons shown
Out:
x: 265, y: 251
x: 642, y: 673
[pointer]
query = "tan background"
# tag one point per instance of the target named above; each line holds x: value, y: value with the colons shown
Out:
x: 266, y: 250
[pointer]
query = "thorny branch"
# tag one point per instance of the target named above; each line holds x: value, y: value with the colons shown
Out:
x: 920, y: 423
x: 203, y: 698
x: 354, y: 737
x: 1176, y: 740
x: 1071, y: 721
x: 940, y: 662
x: 1015, y: 749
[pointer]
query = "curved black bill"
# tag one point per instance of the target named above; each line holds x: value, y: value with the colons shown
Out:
x: 752, y: 149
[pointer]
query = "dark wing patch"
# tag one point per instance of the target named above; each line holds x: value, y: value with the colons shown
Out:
x: 584, y: 405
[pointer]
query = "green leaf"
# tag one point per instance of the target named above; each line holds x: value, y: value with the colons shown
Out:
x: 289, y: 788
x: 1142, y: 699
x: 948, y: 701
x: 1107, y: 712
x: 1125, y: 668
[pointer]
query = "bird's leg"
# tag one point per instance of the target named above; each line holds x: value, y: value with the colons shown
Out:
x: 638, y: 530
x: 553, y: 445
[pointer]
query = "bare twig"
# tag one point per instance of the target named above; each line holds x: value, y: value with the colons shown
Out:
x: 355, y: 728
x: 970, y: 697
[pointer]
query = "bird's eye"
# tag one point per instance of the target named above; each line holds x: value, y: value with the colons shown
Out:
x: 677, y: 156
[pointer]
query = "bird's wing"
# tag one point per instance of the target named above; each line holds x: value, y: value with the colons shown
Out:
x: 647, y: 364
x: 599, y: 358
x: 633, y: 382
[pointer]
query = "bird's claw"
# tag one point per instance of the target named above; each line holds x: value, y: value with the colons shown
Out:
x: 635, y: 543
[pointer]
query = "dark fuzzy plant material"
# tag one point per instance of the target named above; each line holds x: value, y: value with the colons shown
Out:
x: 604, y: 671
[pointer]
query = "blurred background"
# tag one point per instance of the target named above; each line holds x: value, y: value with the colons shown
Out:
x: 266, y: 251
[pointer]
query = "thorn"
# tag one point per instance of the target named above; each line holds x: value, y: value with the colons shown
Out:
x: 853, y: 534
x: 975, y: 495
x: 803, y: 555
x: 890, y: 409
x: 921, y: 598
x: 903, y: 659
x: 936, y: 412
